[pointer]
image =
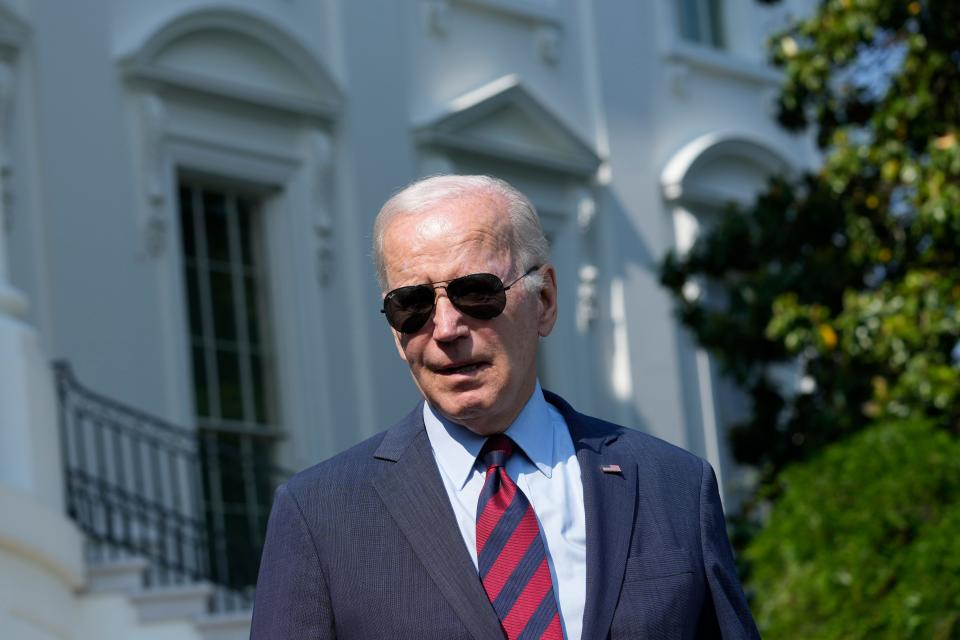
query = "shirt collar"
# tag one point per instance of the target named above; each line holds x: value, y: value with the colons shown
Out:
x: 456, y: 448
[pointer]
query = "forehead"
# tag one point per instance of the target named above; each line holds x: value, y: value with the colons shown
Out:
x: 447, y: 231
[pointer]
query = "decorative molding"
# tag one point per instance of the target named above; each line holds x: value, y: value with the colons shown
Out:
x: 587, y: 275
x: 437, y: 16
x: 678, y: 77
x: 302, y: 85
x: 687, y: 57
x: 152, y: 124
x: 541, y: 15
x: 586, y: 211
x: 322, y: 157
x: 534, y: 11
x: 587, y: 310
x: 505, y: 121
x: 548, y: 39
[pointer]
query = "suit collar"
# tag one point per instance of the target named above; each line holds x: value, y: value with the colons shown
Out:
x: 413, y: 493
x: 400, y: 436
x: 609, y: 500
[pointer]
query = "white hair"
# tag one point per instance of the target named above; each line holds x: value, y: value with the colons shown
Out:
x: 527, y: 242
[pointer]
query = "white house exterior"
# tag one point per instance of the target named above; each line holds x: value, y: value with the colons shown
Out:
x: 187, y: 190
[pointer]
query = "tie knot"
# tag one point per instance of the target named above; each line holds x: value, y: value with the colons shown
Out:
x: 496, y: 450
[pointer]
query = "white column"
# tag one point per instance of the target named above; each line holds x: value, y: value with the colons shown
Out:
x: 41, y: 562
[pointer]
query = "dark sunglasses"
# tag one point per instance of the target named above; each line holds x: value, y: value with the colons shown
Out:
x: 479, y: 295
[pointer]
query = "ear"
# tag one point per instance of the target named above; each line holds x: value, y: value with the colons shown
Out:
x: 398, y: 341
x: 547, y: 300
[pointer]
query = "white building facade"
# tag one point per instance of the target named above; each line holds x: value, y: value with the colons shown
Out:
x: 187, y: 190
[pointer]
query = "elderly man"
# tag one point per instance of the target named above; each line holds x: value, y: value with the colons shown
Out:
x: 493, y: 509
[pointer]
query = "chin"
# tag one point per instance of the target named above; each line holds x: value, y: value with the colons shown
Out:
x: 466, y: 411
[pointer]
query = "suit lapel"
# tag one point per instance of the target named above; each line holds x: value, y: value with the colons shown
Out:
x: 414, y: 495
x: 609, y: 501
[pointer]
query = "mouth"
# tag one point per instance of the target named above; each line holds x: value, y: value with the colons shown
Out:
x: 467, y: 368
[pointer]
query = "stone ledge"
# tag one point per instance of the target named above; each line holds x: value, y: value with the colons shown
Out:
x: 224, y: 626
x: 181, y: 602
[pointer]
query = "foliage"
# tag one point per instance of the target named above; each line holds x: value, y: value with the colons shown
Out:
x: 848, y: 277
x: 863, y: 541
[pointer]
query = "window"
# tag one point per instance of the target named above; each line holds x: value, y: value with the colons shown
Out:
x: 700, y: 21
x: 232, y: 382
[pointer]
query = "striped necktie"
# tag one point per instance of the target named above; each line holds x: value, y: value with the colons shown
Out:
x: 510, y: 553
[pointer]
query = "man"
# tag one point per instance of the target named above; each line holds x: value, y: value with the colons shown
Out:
x: 493, y: 509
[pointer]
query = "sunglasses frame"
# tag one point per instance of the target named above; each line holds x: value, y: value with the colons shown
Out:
x: 445, y: 284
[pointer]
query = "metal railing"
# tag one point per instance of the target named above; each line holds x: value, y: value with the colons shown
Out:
x: 193, y: 503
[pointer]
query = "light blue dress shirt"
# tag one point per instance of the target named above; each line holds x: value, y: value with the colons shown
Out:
x: 548, y: 474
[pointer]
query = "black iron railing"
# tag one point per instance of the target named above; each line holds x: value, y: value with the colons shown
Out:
x: 193, y: 503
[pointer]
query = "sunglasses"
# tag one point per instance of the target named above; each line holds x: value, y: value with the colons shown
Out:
x: 479, y: 295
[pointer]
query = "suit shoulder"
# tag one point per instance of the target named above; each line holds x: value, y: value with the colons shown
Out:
x: 648, y: 449
x: 340, y: 468
x: 349, y: 470
x: 660, y: 449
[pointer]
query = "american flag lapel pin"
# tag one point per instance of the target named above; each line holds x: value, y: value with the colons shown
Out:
x: 610, y: 468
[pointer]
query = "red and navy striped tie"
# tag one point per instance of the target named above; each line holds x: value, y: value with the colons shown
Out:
x: 510, y: 553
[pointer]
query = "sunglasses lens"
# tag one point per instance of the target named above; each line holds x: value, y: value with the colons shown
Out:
x: 408, y: 308
x: 480, y: 295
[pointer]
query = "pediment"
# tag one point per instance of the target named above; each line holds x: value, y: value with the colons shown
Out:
x: 505, y: 121
x: 237, y: 56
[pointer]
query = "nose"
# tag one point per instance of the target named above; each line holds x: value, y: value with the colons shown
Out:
x: 448, y: 324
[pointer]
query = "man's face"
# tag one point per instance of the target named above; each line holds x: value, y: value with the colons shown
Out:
x: 478, y: 373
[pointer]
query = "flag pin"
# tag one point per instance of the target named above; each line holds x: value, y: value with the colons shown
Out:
x: 610, y: 468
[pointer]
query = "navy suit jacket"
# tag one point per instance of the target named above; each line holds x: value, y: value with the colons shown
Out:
x: 365, y: 545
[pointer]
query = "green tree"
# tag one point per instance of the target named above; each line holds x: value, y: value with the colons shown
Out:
x: 850, y: 277
x: 850, y: 274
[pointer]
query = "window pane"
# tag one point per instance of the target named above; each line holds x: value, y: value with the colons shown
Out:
x: 699, y: 21
x: 237, y: 483
x: 231, y: 391
x: 215, y: 224
x: 716, y: 23
x: 253, y: 308
x: 224, y: 311
x: 193, y: 300
x: 186, y: 222
x: 689, y: 11
x: 245, y: 221
x: 201, y: 387
x: 259, y: 388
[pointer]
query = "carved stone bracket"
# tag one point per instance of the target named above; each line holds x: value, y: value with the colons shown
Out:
x: 437, y: 16
x: 155, y: 226
x: 679, y: 78
x: 586, y: 211
x: 548, y: 41
x: 588, y: 273
x: 322, y: 153
x: 586, y: 297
